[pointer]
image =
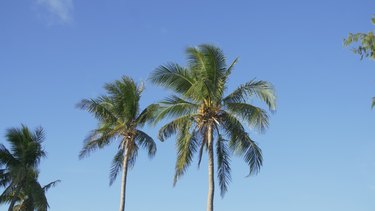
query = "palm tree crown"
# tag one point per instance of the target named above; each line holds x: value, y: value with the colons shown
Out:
x: 119, y: 118
x: 19, y: 170
x: 202, y: 113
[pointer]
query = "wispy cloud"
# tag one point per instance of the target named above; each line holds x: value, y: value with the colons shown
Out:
x: 60, y: 10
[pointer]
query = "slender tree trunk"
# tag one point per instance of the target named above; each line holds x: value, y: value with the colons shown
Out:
x: 211, y: 184
x: 123, y: 180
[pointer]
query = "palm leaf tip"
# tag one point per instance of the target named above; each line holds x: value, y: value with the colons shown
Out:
x: 83, y: 154
x: 373, y: 102
x: 51, y: 185
x: 146, y: 142
x: 266, y: 92
x: 88, y: 146
x: 254, y: 158
x: 82, y: 104
x: 263, y: 90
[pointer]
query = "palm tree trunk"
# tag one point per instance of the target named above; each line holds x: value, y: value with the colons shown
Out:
x: 123, y: 180
x: 211, y: 184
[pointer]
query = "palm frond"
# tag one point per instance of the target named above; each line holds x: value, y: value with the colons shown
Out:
x: 124, y: 95
x: 133, y: 153
x: 223, y: 161
x: 262, y: 89
x: 216, y: 70
x: 172, y: 76
x: 25, y: 145
x: 95, y: 140
x: 231, y: 67
x: 373, y: 102
x: 250, y: 151
x: 38, y: 136
x: 173, y: 127
x: 174, y: 107
x: 8, y: 194
x: 146, y: 142
x: 186, y: 147
x: 132, y: 94
x: 230, y: 124
x: 254, y: 116
x: 38, y: 195
x: 16, y: 138
x: 148, y: 115
x: 100, y: 108
x: 197, y: 66
x: 117, y: 164
x: 196, y: 61
x: 203, y: 144
x: 51, y: 185
x: 241, y: 143
x: 5, y: 177
x: 200, y: 90
x: 6, y: 157
x: 33, y: 154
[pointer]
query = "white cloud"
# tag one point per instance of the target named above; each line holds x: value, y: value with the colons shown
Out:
x: 60, y: 9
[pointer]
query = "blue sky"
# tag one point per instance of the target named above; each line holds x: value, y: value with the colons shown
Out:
x: 318, y: 151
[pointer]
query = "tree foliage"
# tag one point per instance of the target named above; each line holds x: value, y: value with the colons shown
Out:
x: 364, y: 45
x: 120, y: 119
x: 19, y: 170
x: 200, y: 103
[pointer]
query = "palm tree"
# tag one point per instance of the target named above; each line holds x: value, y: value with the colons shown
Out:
x: 25, y: 200
x: 203, y: 115
x: 119, y: 118
x: 19, y: 170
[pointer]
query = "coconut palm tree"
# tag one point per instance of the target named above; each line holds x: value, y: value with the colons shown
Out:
x: 19, y: 170
x: 203, y: 115
x: 25, y: 199
x: 120, y: 120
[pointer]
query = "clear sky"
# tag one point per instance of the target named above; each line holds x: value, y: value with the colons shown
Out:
x: 318, y: 151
